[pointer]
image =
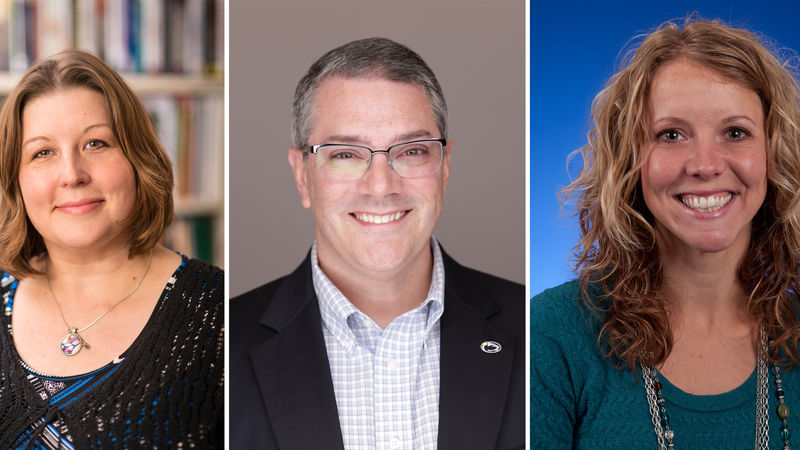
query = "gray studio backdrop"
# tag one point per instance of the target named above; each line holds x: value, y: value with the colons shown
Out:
x: 476, y: 49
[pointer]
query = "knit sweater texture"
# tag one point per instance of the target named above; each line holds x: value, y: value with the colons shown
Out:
x: 580, y: 400
x: 166, y: 393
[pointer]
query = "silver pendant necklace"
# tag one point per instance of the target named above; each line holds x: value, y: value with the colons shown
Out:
x: 73, y: 342
x: 660, y: 419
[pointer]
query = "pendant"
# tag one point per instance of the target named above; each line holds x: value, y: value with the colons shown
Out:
x: 72, y: 343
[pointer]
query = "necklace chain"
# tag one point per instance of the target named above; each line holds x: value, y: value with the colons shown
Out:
x: 762, y: 397
x: 652, y: 401
x: 658, y: 415
x: 72, y: 343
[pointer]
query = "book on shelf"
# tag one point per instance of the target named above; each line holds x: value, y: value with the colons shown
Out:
x: 88, y: 25
x: 141, y: 36
x: 19, y: 35
x: 189, y: 129
x: 5, y: 35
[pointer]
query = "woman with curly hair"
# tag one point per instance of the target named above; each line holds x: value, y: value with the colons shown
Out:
x: 681, y: 330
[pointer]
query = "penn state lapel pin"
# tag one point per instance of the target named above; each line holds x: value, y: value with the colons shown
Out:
x: 491, y: 347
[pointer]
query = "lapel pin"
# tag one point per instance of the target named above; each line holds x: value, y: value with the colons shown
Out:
x: 491, y: 347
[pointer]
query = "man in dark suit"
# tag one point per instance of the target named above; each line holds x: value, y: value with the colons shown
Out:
x: 379, y: 339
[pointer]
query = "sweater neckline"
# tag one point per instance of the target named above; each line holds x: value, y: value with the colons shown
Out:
x: 746, y: 392
x: 131, y: 348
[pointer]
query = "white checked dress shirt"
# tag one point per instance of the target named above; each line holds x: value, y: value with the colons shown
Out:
x: 386, y: 381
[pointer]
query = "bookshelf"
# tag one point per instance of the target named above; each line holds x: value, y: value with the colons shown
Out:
x: 170, y: 52
x: 169, y: 84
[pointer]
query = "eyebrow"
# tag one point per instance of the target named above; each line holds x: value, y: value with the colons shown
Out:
x: 85, y: 130
x: 670, y: 119
x: 737, y: 118
x: 680, y: 121
x: 361, y: 140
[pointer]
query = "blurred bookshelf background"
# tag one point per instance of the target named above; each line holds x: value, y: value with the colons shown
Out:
x: 171, y: 53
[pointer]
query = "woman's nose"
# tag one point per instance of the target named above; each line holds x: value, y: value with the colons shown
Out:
x: 73, y: 170
x: 706, y: 159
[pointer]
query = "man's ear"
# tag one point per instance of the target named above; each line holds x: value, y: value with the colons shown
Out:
x: 297, y: 159
x: 446, y: 166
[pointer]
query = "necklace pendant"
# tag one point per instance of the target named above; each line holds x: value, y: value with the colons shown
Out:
x: 72, y: 343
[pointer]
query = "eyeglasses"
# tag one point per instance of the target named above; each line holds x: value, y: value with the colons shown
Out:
x: 410, y: 159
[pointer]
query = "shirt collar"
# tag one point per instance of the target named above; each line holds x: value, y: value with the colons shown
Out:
x: 337, y: 311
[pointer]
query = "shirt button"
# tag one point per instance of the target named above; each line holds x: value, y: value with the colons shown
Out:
x: 394, y: 443
x: 392, y: 364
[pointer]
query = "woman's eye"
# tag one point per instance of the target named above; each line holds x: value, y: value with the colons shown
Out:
x: 42, y: 154
x: 670, y: 135
x: 737, y: 134
x: 94, y: 144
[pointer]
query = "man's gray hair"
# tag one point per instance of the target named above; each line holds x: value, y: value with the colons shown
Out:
x: 372, y: 58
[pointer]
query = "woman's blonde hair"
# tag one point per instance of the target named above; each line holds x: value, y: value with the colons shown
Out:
x: 617, y: 253
x: 153, y: 209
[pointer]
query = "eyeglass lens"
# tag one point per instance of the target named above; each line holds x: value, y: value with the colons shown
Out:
x: 409, y: 160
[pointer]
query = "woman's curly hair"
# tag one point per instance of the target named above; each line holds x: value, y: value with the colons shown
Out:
x: 618, y: 252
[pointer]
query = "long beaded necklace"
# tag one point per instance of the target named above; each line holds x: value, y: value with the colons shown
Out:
x: 73, y: 342
x: 660, y: 419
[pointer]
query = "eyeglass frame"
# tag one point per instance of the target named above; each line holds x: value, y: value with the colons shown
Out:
x: 313, y: 149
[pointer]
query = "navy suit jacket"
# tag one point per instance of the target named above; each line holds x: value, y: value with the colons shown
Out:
x: 281, y: 393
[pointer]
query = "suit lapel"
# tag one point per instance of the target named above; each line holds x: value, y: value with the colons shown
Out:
x: 292, y: 368
x: 473, y: 384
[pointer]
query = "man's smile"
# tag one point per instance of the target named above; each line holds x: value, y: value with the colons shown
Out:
x: 379, y: 218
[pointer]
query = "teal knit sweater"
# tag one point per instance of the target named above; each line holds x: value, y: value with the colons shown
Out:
x: 579, y: 400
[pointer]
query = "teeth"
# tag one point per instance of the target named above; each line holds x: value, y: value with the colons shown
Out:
x: 706, y: 204
x: 370, y: 218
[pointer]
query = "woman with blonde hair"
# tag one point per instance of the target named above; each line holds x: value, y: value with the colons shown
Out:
x: 681, y: 330
x: 108, y: 339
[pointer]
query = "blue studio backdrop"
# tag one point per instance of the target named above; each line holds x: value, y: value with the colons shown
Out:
x: 575, y: 47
